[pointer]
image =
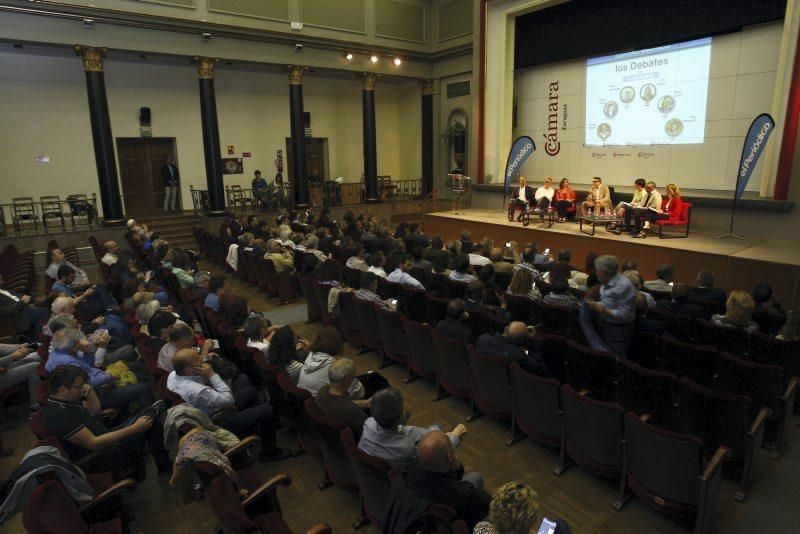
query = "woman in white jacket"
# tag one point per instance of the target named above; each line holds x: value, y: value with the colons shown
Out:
x: 314, y: 374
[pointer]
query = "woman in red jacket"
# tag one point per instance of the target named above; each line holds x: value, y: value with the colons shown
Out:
x: 671, y: 209
x: 564, y: 198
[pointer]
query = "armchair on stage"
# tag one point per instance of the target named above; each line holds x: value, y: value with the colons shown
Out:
x: 684, y: 218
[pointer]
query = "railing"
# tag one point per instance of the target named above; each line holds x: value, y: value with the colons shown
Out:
x: 75, y: 210
x: 273, y: 198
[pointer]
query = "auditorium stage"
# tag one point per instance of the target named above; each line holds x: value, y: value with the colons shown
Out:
x: 738, y: 264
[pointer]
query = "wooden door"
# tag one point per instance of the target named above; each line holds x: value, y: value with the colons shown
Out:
x: 140, y: 169
x: 315, y: 157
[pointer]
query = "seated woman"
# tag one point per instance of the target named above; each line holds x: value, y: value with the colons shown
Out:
x: 144, y: 312
x: 564, y: 198
x: 671, y: 209
x: 321, y: 354
x: 739, y: 312
x: 287, y: 351
x: 523, y: 284
x: 514, y: 509
x: 559, y: 286
x: 182, y: 268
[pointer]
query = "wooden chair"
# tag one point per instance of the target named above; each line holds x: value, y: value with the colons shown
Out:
x: 592, y: 370
x: 723, y: 419
x: 491, y: 384
x: 665, y: 470
x: 694, y: 361
x: 350, y: 328
x: 337, y: 463
x: 421, y: 352
x: 351, y: 277
x: 452, y: 368
x: 437, y: 308
x: 764, y: 384
x: 313, y: 306
x: 372, y: 475
x: 24, y: 213
x: 322, y: 291
x: 730, y: 339
x: 51, y: 211
x: 394, y: 340
x: 367, y: 325
x: 536, y: 407
x: 644, y: 391
x: 593, y: 435
x: 413, y: 303
x: 521, y: 308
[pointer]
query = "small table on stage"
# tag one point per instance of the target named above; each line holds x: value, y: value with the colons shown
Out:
x: 548, y: 215
x: 594, y: 220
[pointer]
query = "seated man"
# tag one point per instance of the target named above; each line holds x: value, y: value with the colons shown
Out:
x: 197, y: 384
x: 522, y: 196
x: 71, y: 412
x: 400, y: 275
x: 666, y: 277
x: 112, y: 252
x: 281, y: 258
x: 66, y: 345
x: 652, y: 201
x: 679, y: 303
x: 544, y: 195
x: 216, y: 288
x: 517, y: 344
x: 386, y: 435
x: 99, y: 349
x: 368, y: 291
x: 499, y: 262
x: 705, y: 291
x: 377, y: 264
x: 624, y: 210
x: 58, y: 259
x: 18, y: 364
x: 598, y: 199
x: 21, y: 310
x: 334, y: 398
x: 356, y: 261
x: 768, y: 314
x: 437, y: 255
x: 438, y: 476
x: 452, y: 326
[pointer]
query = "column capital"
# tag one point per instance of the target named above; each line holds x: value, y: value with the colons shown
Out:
x: 296, y: 74
x: 205, y: 67
x: 427, y: 86
x: 368, y: 80
x: 92, y: 57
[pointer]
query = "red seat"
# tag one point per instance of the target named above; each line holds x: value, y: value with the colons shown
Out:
x: 684, y: 219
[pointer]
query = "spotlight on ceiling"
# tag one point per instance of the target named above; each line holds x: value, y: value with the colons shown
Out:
x: 348, y: 56
x: 373, y: 58
x: 397, y: 61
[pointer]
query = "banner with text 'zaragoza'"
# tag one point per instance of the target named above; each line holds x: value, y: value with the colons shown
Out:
x: 754, y: 144
x: 522, y: 148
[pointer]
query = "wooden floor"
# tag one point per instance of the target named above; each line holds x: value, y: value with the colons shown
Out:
x: 737, y: 263
x: 580, y: 498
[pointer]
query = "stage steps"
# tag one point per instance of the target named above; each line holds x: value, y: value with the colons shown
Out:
x: 177, y: 228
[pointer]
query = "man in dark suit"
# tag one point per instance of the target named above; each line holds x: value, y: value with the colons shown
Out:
x: 452, y: 326
x: 521, y: 197
x: 20, y: 310
x: 516, y: 344
x: 171, y: 177
x: 679, y: 303
x: 706, y: 293
x: 437, y: 255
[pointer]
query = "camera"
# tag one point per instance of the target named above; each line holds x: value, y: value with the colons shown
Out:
x: 298, y: 47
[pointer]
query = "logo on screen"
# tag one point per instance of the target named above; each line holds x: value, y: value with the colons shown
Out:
x: 646, y: 155
x: 552, y: 146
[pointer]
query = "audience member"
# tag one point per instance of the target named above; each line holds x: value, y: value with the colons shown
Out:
x: 216, y: 288
x: 321, y: 354
x: 768, y: 314
x: 258, y: 331
x: 738, y: 312
x: 280, y: 257
x: 462, y: 270
x: 385, y: 434
x: 517, y: 344
x: 111, y: 251
x: 334, y: 398
x: 400, y: 275
x: 559, y: 286
x: 287, y: 351
x: 679, y: 303
x: 523, y: 284
x: 18, y: 364
x: 705, y: 289
x: 791, y: 329
x: 377, y: 262
x: 666, y: 277
x: 356, y: 261
x: 614, y: 315
x: 368, y: 291
x: 452, y: 326
x: 198, y: 384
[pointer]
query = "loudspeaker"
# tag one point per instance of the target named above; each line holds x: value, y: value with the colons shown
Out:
x: 307, y: 119
x: 144, y: 117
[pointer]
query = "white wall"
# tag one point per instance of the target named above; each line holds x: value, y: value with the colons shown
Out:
x: 741, y: 82
x: 45, y: 112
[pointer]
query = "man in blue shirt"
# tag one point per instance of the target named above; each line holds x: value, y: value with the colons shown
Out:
x: 216, y: 288
x: 66, y: 343
x: 608, y: 324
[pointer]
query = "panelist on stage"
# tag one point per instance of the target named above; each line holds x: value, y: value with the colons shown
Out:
x: 564, y: 198
x: 599, y: 197
x: 625, y: 209
x: 544, y: 195
x: 521, y: 197
x: 667, y: 209
x: 651, y: 203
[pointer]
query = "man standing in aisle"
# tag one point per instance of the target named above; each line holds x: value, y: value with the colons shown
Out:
x: 171, y: 176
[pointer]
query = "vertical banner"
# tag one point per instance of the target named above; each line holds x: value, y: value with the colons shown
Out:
x: 522, y: 148
x: 754, y: 142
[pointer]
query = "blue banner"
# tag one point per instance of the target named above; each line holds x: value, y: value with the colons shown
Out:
x: 754, y: 143
x: 522, y: 148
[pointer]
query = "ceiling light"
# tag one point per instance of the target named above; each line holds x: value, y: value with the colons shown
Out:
x: 397, y: 61
x: 348, y: 56
x: 373, y: 58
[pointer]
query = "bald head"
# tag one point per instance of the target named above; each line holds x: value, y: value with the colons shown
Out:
x: 517, y: 331
x: 435, y: 452
x: 184, y: 360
